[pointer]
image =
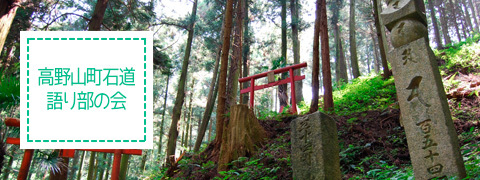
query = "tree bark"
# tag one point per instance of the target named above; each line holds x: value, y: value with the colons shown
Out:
x: 91, y: 166
x: 124, y: 166
x: 104, y: 166
x: 108, y: 169
x: 327, y: 75
x: 79, y: 174
x: 296, y: 48
x: 6, y: 173
x: 379, y: 26
x: 8, y: 10
x: 236, y: 60
x: 160, y: 141
x: 144, y: 161
x: 438, y: 39
x: 284, y: 31
x: 474, y: 13
x: 444, y: 23
x: 98, y: 14
x: 73, y: 168
x: 189, y: 118
x: 242, y: 135
x: 467, y: 15
x: 246, y: 51
x: 353, y: 42
x: 454, y: 19
x: 340, y: 64
x: 223, y: 77
x: 177, y: 109
x: 375, y: 49
x: 316, y: 58
x: 210, y: 103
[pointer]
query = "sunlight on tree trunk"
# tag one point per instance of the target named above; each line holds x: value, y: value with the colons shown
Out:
x: 379, y: 26
x: 316, y: 59
x: 8, y: 10
x: 223, y: 77
x: 177, y: 109
x: 79, y: 174
x: 296, y: 48
x: 353, y: 41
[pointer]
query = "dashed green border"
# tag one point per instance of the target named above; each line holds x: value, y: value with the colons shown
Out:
x: 87, y: 39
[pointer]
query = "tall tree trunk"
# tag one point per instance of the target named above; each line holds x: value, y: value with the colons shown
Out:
x: 375, y: 48
x: 103, y: 166
x: 189, y: 118
x: 340, y: 64
x: 34, y: 162
x: 73, y: 169
x: 454, y: 19
x: 98, y: 14
x: 160, y: 141
x: 79, y: 174
x: 353, y: 41
x: 246, y: 51
x: 474, y: 14
x: 124, y: 166
x: 438, y: 39
x: 8, y: 10
x: 7, y: 168
x: 91, y: 165
x: 284, y: 31
x: 96, y: 168
x: 210, y: 126
x: 108, y: 167
x: 444, y: 22
x: 296, y: 48
x: 177, y: 109
x: 236, y: 60
x: 467, y: 15
x: 327, y: 74
x: 144, y: 161
x: 223, y: 78
x: 379, y: 26
x: 283, y: 88
x: 316, y: 58
x: 210, y: 103
x: 463, y: 23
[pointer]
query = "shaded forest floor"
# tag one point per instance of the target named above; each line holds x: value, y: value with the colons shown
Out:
x: 372, y: 141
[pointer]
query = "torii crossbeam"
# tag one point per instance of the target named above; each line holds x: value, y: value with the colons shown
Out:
x: 290, y: 80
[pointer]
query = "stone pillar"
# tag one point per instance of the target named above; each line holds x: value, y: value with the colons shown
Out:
x: 315, y: 151
x: 432, y: 140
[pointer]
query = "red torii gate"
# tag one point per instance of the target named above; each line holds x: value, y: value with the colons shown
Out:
x: 69, y: 153
x: 290, y: 80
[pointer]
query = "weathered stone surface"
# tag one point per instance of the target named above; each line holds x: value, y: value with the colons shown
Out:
x: 315, y: 151
x: 403, y: 8
x: 407, y: 31
x: 432, y: 140
x: 431, y: 137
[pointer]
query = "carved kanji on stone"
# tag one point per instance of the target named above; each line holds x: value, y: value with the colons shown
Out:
x: 431, y: 136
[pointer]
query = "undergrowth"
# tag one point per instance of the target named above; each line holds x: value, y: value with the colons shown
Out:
x: 364, y: 93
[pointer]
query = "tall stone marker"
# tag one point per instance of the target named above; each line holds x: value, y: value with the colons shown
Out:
x: 432, y: 140
x: 315, y: 151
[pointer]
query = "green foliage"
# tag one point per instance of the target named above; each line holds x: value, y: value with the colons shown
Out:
x: 9, y: 91
x: 463, y: 55
x: 364, y: 93
x: 265, y: 114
